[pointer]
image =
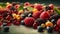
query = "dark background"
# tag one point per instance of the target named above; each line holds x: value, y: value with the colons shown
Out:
x: 56, y: 2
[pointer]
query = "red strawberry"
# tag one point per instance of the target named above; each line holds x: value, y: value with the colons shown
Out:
x: 37, y: 14
x: 45, y: 15
x: 39, y: 7
x: 58, y: 22
x: 29, y: 21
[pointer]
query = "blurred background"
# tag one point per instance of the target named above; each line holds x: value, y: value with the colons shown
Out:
x: 56, y: 2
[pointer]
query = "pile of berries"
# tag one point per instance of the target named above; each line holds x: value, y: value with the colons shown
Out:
x: 37, y: 16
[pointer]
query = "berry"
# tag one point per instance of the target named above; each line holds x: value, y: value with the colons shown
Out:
x: 29, y: 15
x: 22, y: 22
x: 14, y: 3
x: 51, y: 6
x: 58, y: 22
x: 45, y: 16
x: 29, y: 21
x: 16, y: 22
x: 53, y: 21
x: 47, y: 8
x: 38, y: 6
x: 56, y: 28
x: 35, y: 25
x: 40, y: 29
x: 6, y: 29
x: 4, y: 24
x: 8, y: 23
x: 32, y: 5
x: 37, y: 14
x: 55, y: 17
x: 8, y: 17
x: 1, y: 17
x: 48, y: 23
x: 23, y: 16
x: 0, y: 23
x: 40, y: 21
x: 43, y: 25
x: 26, y: 13
x: 26, y: 4
x: 49, y: 29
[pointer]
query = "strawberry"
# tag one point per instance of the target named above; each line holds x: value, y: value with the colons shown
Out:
x: 45, y: 15
x: 37, y: 14
x: 29, y: 21
x: 38, y: 6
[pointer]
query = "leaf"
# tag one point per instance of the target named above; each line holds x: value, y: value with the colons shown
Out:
x: 57, y: 10
x: 29, y: 8
x: 21, y: 7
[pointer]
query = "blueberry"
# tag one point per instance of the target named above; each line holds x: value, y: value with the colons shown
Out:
x: 40, y: 29
x: 40, y: 21
x: 4, y: 24
x: 53, y: 21
x: 6, y: 29
x: 26, y: 13
x: 29, y: 15
x: 49, y: 29
x: 55, y: 16
x: 23, y: 16
x: 22, y: 22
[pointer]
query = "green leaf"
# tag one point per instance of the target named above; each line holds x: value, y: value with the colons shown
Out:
x: 29, y: 8
x: 21, y: 7
x: 57, y: 10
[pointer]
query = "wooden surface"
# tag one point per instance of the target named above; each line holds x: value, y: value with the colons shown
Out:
x: 23, y: 30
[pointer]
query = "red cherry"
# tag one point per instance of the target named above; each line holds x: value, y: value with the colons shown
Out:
x: 1, y: 17
x: 8, y: 23
x: 16, y: 22
x: 35, y: 25
x: 56, y: 28
x: 0, y: 23
x: 51, y: 6
x: 9, y: 6
x: 45, y: 15
x: 26, y: 4
x: 8, y: 17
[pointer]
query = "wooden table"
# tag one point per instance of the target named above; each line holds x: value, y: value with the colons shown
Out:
x: 23, y: 30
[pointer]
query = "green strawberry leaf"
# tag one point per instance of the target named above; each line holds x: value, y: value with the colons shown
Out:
x: 29, y: 8
x: 57, y: 10
x: 21, y: 7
